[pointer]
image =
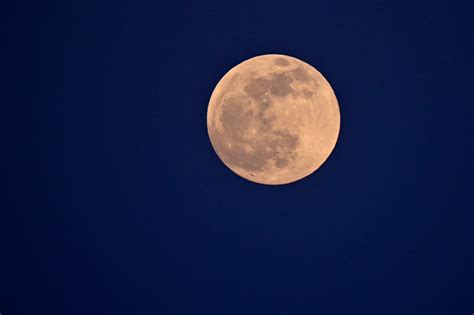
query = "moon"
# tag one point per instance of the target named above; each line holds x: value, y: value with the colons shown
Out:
x: 273, y: 119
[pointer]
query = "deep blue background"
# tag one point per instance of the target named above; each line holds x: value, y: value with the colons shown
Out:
x: 115, y: 202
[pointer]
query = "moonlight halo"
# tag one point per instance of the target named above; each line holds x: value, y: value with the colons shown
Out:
x: 273, y: 119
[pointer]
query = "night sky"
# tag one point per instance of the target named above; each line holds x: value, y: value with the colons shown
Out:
x: 114, y: 201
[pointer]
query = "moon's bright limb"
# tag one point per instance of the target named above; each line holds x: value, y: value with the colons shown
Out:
x: 273, y: 119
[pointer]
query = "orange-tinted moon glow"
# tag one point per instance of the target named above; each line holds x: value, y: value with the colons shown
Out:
x: 273, y: 119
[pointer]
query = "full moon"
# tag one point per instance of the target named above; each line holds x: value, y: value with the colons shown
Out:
x: 273, y: 119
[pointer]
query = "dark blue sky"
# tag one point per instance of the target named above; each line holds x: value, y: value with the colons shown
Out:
x: 115, y: 202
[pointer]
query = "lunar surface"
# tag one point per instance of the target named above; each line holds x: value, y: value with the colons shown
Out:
x: 273, y: 119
